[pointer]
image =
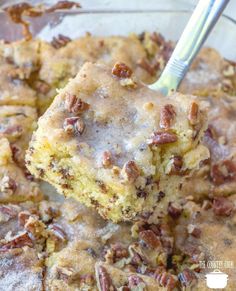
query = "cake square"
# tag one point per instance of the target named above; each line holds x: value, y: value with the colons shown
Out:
x: 112, y: 143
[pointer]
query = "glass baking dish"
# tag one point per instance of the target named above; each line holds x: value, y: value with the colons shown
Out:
x: 105, y: 17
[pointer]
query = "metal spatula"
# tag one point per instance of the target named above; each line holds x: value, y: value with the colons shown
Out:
x: 195, y: 33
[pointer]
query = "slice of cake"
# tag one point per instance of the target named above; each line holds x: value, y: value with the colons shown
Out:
x: 112, y: 143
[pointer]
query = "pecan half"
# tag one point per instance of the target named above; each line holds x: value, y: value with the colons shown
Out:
x: 130, y: 171
x: 74, y: 125
x: 167, y: 116
x: 104, y: 280
x: 107, y: 159
x: 150, y: 238
x: 60, y: 41
x: 115, y: 253
x: 122, y: 71
x: 193, y: 114
x: 162, y: 137
x: 18, y: 241
x: 74, y: 104
x: 222, y: 206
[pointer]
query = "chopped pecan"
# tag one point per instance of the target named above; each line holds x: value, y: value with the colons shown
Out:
x: 57, y: 231
x: 104, y: 280
x: 16, y: 153
x: 115, y: 253
x: 150, y: 68
x: 176, y: 164
x: 10, y: 211
x: 42, y: 87
x: 136, y: 282
x: 65, y: 274
x: 107, y: 159
x: 194, y: 230
x: 23, y: 216
x: 187, y: 277
x: 167, y: 280
x: 60, y: 41
x: 87, y: 279
x: 122, y: 71
x: 222, y: 206
x: 223, y: 172
x: 8, y: 185
x: 174, y: 209
x: 74, y: 104
x: 131, y: 171
x: 193, y: 115
x: 157, y: 38
x: 162, y: 137
x: 18, y: 241
x: 167, y: 115
x: 74, y: 125
x: 14, y: 130
x: 150, y: 238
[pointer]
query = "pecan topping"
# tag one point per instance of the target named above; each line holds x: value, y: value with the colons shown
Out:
x: 121, y: 71
x: 150, y: 238
x: 87, y: 279
x: 107, y: 159
x: 194, y: 230
x: 60, y: 41
x: 167, y: 115
x: 8, y: 185
x: 115, y: 253
x: 222, y: 206
x: 162, y: 137
x: 223, y: 172
x: 167, y: 280
x: 176, y: 164
x: 42, y: 87
x: 74, y: 125
x: 75, y: 105
x: 174, y: 210
x: 14, y: 130
x: 136, y: 282
x: 65, y: 274
x: 104, y: 279
x: 187, y: 277
x: 23, y: 216
x: 193, y: 115
x: 10, y: 211
x: 131, y: 171
x: 150, y: 68
x: 58, y: 232
x: 18, y: 241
